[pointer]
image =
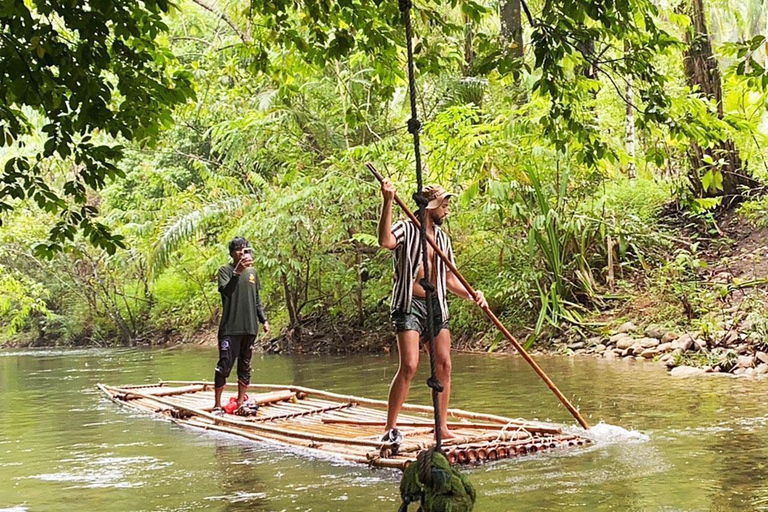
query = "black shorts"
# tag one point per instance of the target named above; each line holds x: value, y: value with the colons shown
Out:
x: 231, y: 348
x: 416, y: 319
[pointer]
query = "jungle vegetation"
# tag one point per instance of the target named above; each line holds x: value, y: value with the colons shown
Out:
x: 138, y: 137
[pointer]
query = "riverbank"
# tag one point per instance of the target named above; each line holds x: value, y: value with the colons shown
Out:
x: 703, y: 311
x: 716, y: 322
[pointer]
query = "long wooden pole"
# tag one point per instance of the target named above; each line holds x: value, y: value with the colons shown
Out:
x: 487, y: 310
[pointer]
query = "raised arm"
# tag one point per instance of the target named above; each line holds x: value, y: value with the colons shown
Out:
x: 386, y: 239
x: 227, y: 281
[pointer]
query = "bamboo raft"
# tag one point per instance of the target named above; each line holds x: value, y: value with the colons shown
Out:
x: 348, y: 427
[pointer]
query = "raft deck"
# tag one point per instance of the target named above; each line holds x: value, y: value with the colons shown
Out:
x: 343, y: 426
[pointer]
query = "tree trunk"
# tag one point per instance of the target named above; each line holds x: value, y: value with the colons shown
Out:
x: 631, y: 135
x: 290, y: 302
x: 469, y: 51
x: 512, y: 26
x: 587, y: 48
x: 360, y: 280
x: 703, y: 74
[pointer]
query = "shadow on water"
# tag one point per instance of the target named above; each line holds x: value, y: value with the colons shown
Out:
x: 693, y: 445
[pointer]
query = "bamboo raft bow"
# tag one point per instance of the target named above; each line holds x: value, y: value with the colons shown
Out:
x: 487, y: 310
x: 343, y: 426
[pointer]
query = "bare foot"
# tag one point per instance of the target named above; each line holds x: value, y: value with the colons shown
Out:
x: 447, y: 434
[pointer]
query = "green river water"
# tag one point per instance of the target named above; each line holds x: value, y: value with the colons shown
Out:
x: 694, y: 445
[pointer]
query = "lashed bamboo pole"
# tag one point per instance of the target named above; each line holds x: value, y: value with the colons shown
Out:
x: 454, y: 424
x: 505, y: 437
x: 456, y: 413
x: 487, y: 310
x: 305, y: 413
x: 379, y: 462
x: 194, y: 388
x: 256, y: 426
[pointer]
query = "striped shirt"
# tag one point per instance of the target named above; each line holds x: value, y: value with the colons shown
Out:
x: 408, y: 259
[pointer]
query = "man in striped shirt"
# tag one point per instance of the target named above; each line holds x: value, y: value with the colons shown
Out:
x: 409, y: 308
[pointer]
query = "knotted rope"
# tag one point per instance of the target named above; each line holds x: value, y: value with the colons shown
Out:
x: 430, y: 480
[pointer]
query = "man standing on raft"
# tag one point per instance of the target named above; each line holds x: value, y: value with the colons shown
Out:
x: 241, y: 313
x: 409, y: 305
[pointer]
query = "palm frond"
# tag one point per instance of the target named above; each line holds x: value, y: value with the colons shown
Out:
x: 188, y: 226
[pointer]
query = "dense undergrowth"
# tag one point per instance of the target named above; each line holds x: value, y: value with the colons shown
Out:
x: 555, y: 241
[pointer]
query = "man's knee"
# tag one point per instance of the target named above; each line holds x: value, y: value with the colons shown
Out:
x: 408, y: 369
x: 223, y: 368
x: 444, y: 366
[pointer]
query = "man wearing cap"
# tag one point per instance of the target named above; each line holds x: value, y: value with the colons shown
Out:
x: 241, y: 313
x: 409, y: 305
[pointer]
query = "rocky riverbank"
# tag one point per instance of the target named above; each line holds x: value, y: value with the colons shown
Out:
x: 733, y: 351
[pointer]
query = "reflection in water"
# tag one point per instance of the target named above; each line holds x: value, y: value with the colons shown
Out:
x: 241, y: 488
x: 740, y: 459
x: 690, y: 445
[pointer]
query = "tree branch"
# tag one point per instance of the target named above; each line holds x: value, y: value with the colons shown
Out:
x: 243, y: 36
x: 528, y: 15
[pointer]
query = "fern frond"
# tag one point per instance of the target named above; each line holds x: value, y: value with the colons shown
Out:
x: 464, y: 91
x: 187, y: 227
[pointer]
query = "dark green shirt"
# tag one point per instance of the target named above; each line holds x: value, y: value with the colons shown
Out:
x: 241, y: 307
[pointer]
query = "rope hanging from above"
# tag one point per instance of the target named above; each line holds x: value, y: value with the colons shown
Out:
x: 430, y: 480
x: 414, y: 126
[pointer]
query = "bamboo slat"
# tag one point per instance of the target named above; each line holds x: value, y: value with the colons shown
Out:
x: 255, y: 426
x: 456, y: 413
x: 471, y: 426
x: 166, y: 391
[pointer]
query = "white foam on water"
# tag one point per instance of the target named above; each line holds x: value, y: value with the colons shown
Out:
x: 604, y: 434
x: 49, y: 353
x: 239, y: 497
x: 17, y: 508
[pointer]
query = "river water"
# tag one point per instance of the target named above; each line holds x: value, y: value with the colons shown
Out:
x: 694, y: 444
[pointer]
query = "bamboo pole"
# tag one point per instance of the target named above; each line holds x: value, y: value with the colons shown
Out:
x: 305, y: 413
x: 507, y: 438
x: 378, y: 462
x: 456, y: 413
x: 487, y: 310
x: 258, y: 426
x: 475, y: 426
x: 194, y: 388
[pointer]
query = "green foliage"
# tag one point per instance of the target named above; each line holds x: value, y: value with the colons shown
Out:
x: 188, y: 226
x: 85, y: 68
x: 745, y: 64
x: 756, y: 211
x: 20, y: 299
x: 573, y: 43
x: 288, y: 111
